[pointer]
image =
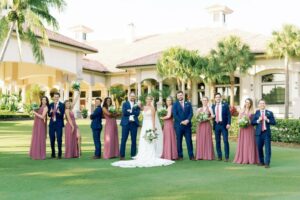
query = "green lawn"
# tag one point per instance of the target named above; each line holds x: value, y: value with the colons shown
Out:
x: 22, y: 178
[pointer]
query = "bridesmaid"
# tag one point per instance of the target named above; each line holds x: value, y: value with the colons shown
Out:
x: 246, y: 151
x: 204, y: 141
x: 169, y: 145
x: 39, y: 132
x: 111, y: 139
x: 72, y: 135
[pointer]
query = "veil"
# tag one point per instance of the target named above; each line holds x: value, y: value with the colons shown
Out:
x: 159, y: 141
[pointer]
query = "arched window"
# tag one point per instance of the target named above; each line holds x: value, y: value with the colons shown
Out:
x: 223, y: 87
x: 273, y: 88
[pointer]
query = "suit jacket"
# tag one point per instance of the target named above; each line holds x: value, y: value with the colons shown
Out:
x: 96, y: 118
x: 180, y: 114
x: 59, y: 116
x: 269, y: 115
x: 125, y: 114
x: 226, y: 115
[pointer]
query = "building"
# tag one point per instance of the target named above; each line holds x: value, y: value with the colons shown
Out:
x: 131, y: 63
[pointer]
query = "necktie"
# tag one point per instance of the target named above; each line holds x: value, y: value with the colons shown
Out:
x: 54, y: 112
x: 263, y: 126
x: 218, y: 113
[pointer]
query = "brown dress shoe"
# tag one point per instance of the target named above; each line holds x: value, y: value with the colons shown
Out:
x: 260, y: 164
x: 267, y: 166
x: 192, y: 159
x: 122, y: 158
x: 180, y: 158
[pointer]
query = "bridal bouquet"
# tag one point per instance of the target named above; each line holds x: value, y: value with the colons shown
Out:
x: 151, y: 135
x: 76, y: 86
x: 162, y: 112
x: 202, y: 116
x: 244, y: 122
x: 35, y: 106
x: 112, y: 110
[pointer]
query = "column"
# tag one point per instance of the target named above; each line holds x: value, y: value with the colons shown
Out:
x: 139, y: 89
x: 160, y: 101
x: 194, y: 94
x: 76, y: 105
x: 129, y: 91
x: 173, y: 89
x: 67, y: 90
x: 149, y: 87
x: 61, y: 91
x: 89, y: 98
x: 23, y: 94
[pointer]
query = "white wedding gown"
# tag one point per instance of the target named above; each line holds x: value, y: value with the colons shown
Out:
x: 148, y: 153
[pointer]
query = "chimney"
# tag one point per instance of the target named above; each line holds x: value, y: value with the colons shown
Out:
x: 81, y: 32
x: 130, y: 33
x: 219, y: 13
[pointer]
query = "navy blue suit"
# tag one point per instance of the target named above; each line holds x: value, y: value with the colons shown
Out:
x: 96, y: 126
x: 263, y: 137
x: 220, y: 128
x: 129, y: 126
x: 56, y: 127
x: 180, y: 115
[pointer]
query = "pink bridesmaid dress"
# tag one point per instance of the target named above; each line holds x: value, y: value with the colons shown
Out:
x: 111, y: 138
x: 246, y: 151
x: 71, y: 140
x: 204, y: 141
x: 38, y: 140
x: 169, y: 140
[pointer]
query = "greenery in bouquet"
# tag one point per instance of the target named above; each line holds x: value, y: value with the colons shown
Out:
x: 150, y: 135
x: 244, y: 122
x: 202, y: 116
x: 76, y: 86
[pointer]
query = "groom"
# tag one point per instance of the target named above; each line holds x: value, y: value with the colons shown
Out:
x: 56, y: 113
x: 183, y: 113
x: 129, y: 123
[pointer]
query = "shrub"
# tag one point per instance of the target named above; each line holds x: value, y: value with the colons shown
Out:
x: 13, y: 116
x: 84, y: 113
x: 286, y: 130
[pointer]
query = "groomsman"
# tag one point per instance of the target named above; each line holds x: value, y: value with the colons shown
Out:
x: 183, y: 114
x: 129, y: 123
x: 221, y: 125
x: 96, y: 126
x: 263, y: 119
x: 56, y: 113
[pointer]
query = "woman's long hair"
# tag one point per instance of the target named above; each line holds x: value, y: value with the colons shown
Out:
x: 105, y: 104
x: 47, y: 101
x: 251, y: 109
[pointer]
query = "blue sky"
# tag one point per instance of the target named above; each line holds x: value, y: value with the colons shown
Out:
x: 109, y: 18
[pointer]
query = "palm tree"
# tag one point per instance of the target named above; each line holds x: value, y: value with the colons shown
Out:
x: 118, y: 95
x: 181, y: 63
x: 285, y: 44
x: 233, y: 55
x: 27, y: 18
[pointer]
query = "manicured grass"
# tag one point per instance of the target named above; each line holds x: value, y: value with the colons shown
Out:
x: 22, y: 178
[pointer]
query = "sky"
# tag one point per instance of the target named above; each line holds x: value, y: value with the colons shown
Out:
x: 110, y: 18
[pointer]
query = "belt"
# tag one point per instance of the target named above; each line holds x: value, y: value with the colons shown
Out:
x: 219, y: 122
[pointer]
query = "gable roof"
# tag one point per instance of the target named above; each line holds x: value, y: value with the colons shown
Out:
x: 94, y: 65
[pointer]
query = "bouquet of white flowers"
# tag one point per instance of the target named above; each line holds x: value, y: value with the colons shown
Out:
x: 151, y: 135
x: 162, y: 112
x: 244, y: 122
x: 112, y: 110
x: 35, y: 106
x: 76, y: 86
x: 202, y: 117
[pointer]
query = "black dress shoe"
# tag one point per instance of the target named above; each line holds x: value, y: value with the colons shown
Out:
x: 122, y: 158
x: 219, y: 159
x: 260, y: 164
x: 226, y: 160
x: 180, y: 158
x: 59, y: 157
x: 192, y: 159
x: 267, y: 166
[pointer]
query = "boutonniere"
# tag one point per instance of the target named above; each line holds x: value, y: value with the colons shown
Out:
x: 135, y: 105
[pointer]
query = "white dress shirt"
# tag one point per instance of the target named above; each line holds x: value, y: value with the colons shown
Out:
x: 220, y: 111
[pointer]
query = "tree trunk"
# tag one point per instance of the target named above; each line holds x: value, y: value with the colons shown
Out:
x: 212, y: 90
x: 287, y: 88
x: 5, y: 45
x: 178, y: 84
x: 183, y: 86
x: 231, y: 90
x: 189, y: 87
x: 19, y: 42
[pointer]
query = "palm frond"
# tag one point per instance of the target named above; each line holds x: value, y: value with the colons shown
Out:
x: 35, y: 46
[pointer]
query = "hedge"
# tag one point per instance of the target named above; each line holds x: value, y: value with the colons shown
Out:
x: 14, y: 116
x: 286, y: 130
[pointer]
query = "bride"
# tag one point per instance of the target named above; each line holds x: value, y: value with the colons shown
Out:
x: 149, y: 153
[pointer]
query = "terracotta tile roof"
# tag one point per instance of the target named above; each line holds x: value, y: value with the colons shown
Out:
x: 142, y: 61
x: 93, y: 65
x: 57, y: 37
x: 116, y: 53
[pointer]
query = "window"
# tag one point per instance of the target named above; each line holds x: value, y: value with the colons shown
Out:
x: 82, y: 94
x: 200, y: 93
x: 223, y: 87
x: 273, y: 88
x: 96, y: 93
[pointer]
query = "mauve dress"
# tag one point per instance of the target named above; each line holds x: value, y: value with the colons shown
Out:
x: 246, y: 150
x: 204, y: 141
x: 111, y: 138
x: 169, y: 140
x: 38, y: 140
x: 71, y: 140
